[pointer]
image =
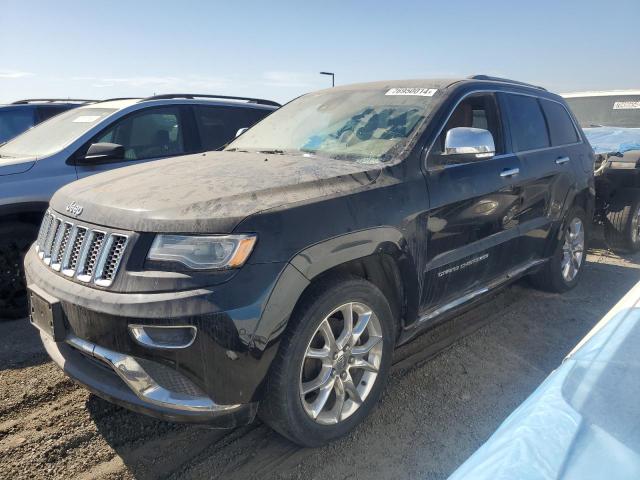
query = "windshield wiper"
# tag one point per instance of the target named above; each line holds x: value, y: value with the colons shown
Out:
x: 235, y: 150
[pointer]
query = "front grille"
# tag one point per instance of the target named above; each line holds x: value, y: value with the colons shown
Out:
x: 78, y: 251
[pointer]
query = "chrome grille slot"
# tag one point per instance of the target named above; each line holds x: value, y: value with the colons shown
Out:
x: 72, y: 256
x: 90, y: 255
x: 44, y: 230
x: 51, y: 237
x: 79, y: 251
x: 110, y: 259
x: 60, y: 245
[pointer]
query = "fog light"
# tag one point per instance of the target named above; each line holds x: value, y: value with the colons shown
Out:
x: 168, y: 337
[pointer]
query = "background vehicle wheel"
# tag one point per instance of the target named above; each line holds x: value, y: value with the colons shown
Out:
x: 332, y: 363
x: 622, y: 224
x: 15, y: 240
x: 563, y: 270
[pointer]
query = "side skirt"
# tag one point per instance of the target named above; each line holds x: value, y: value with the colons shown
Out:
x: 440, y: 313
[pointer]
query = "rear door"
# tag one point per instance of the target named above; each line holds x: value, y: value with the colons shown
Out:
x: 542, y: 134
x: 148, y: 134
x: 473, y: 234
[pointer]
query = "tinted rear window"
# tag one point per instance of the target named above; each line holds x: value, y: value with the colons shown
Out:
x: 561, y: 128
x: 528, y: 128
x: 219, y: 125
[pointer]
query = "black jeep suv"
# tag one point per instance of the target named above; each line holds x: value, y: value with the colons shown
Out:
x: 277, y: 276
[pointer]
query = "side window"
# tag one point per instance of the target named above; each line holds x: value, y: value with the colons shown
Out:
x: 152, y: 133
x: 561, y: 128
x: 477, y: 111
x: 218, y: 125
x: 528, y: 128
x: 45, y: 113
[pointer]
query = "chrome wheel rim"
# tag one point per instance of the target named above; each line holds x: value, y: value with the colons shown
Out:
x: 341, y: 363
x: 635, y: 226
x: 573, y: 250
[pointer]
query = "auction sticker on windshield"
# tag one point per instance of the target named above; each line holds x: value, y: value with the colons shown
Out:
x: 421, y: 92
x: 635, y: 105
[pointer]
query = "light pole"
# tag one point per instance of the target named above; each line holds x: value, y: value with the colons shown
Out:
x: 333, y: 77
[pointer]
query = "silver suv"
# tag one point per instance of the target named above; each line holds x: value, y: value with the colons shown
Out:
x: 95, y: 138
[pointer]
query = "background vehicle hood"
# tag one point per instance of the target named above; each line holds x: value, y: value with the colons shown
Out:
x: 613, y: 139
x: 11, y: 165
x: 206, y: 193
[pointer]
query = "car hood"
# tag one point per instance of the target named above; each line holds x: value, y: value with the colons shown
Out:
x: 11, y: 165
x: 207, y: 193
x: 613, y: 139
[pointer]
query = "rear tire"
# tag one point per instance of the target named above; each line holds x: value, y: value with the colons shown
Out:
x: 563, y: 270
x: 15, y: 240
x: 622, y: 223
x: 351, y: 381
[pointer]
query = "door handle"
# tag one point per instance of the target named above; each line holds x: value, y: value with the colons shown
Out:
x: 509, y: 172
x: 562, y: 160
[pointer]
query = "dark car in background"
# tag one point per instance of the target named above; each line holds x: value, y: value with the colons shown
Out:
x: 95, y: 138
x: 611, y: 122
x: 21, y: 115
x: 278, y: 275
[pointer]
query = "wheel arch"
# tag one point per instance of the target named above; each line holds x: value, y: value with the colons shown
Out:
x: 24, y: 212
x: 378, y: 255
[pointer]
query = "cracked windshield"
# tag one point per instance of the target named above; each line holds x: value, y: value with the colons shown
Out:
x: 367, y: 126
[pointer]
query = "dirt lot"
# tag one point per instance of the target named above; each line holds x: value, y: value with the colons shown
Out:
x: 436, y: 410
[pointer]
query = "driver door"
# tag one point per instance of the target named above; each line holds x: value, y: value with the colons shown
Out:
x: 475, y: 204
x: 146, y: 135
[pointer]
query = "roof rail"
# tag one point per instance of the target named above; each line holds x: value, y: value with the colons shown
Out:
x: 505, y: 80
x: 51, y: 100
x: 118, y: 98
x: 259, y: 101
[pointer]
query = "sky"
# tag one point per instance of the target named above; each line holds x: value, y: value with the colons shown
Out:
x: 276, y: 49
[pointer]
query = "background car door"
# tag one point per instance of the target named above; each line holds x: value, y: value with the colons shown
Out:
x: 472, y: 224
x: 148, y: 134
x: 541, y: 134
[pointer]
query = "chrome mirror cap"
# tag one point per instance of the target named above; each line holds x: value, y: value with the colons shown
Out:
x: 469, y: 141
x: 241, y: 131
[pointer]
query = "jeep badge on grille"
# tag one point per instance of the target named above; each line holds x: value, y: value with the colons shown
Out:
x: 74, y: 209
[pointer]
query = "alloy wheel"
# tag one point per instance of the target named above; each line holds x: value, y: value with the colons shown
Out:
x: 635, y: 226
x: 341, y: 363
x: 572, y: 250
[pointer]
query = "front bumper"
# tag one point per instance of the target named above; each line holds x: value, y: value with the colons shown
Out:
x: 227, y: 363
x: 123, y: 381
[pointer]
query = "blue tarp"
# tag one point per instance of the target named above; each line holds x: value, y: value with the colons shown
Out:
x: 583, y: 422
x: 613, y: 139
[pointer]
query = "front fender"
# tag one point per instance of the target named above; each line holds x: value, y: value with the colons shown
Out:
x: 324, y: 256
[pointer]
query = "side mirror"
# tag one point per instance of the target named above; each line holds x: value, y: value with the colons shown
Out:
x: 100, y: 152
x: 241, y: 131
x: 471, y: 142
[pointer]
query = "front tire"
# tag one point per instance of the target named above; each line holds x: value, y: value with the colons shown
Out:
x: 563, y: 270
x: 15, y: 240
x: 332, y: 364
x: 622, y: 223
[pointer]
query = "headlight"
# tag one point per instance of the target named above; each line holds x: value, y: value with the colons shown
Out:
x: 202, y: 252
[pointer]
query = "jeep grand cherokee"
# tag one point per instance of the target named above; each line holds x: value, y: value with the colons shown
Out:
x: 277, y: 276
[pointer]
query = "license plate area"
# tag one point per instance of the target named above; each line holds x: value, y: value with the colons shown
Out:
x: 46, y: 314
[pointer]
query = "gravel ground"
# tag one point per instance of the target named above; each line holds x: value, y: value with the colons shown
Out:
x: 436, y: 410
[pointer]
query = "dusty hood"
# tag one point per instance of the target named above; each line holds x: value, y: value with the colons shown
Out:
x: 12, y: 165
x: 209, y: 192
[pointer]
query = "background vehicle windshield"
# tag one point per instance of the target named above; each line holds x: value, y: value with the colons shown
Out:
x: 362, y: 125
x: 14, y: 122
x: 607, y: 111
x: 54, y: 134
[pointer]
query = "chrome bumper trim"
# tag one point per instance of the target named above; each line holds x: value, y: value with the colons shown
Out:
x: 143, y: 385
